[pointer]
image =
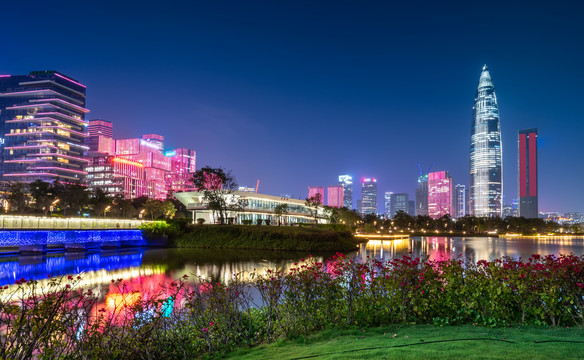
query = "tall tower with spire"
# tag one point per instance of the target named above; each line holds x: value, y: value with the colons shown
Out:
x: 486, y: 160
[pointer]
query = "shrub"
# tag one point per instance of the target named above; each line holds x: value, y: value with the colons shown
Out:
x: 200, y: 221
x: 267, y: 221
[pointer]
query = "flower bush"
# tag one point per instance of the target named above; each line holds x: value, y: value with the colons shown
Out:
x: 191, y: 318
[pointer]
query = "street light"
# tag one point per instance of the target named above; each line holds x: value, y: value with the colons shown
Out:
x: 142, y: 213
x: 106, y: 210
x: 52, y: 207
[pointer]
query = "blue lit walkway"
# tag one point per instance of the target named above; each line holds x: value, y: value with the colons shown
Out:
x: 36, y: 241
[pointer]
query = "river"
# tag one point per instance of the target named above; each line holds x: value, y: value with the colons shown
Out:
x: 151, y: 268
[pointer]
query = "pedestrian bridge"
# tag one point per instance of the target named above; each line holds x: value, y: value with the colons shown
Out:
x: 25, y: 234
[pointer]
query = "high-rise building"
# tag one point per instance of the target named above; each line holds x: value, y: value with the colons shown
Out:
x: 369, y: 196
x: 42, y: 127
x: 459, y: 201
x: 360, y: 206
x: 399, y: 202
x: 486, y: 165
x: 335, y: 196
x: 153, y: 140
x: 528, y: 195
x: 387, y: 207
x: 100, y: 138
x: 411, y: 208
x: 439, y: 194
x: 314, y: 190
x: 347, y: 182
x: 422, y: 195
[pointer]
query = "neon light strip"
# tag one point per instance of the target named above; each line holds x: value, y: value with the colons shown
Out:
x: 32, y: 174
x: 62, y: 169
x: 31, y: 147
x: 41, y: 132
x: 73, y: 81
x: 61, y: 101
x: 39, y: 92
x: 127, y: 162
x: 70, y: 118
x: 5, y: 76
x: 23, y: 160
x: 61, y: 155
x: 51, y: 82
x: 65, y: 129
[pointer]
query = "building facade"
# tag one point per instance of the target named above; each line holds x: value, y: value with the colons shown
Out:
x: 369, y: 196
x: 347, y: 182
x: 439, y: 194
x: 399, y: 202
x: 387, y: 204
x: 486, y: 162
x: 459, y: 201
x: 335, y: 196
x: 314, y: 191
x: 527, y: 173
x: 259, y: 207
x: 42, y: 127
x: 422, y: 195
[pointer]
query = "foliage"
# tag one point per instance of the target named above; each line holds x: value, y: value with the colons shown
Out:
x: 264, y: 237
x: 156, y: 229
x: 42, y: 194
x: 17, y: 197
x: 279, y: 211
x: 217, y: 187
x: 188, y: 319
x: 159, y: 209
x: 314, y: 203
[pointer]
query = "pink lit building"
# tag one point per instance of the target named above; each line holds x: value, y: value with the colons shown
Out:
x: 440, y: 194
x: 139, y: 167
x: 335, y: 196
x: 314, y: 190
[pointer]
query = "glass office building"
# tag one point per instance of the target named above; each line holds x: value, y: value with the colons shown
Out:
x: 42, y: 127
x: 369, y: 196
x: 527, y: 173
x: 486, y: 165
x: 347, y: 182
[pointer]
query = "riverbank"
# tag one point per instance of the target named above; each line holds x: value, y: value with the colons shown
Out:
x: 287, y: 238
x: 427, y: 341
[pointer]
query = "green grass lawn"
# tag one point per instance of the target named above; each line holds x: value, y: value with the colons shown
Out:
x: 427, y: 342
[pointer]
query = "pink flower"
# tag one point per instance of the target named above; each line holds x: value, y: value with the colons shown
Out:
x: 580, y: 285
x: 205, y: 329
x: 212, y: 323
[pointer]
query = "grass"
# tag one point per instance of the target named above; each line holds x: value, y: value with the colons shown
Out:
x: 427, y: 342
x: 265, y: 238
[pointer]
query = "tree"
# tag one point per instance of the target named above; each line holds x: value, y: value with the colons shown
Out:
x: 73, y: 196
x: 42, y: 194
x: 280, y: 210
x: 159, y: 208
x: 217, y: 187
x: 314, y: 202
x: 18, y: 197
x: 349, y: 217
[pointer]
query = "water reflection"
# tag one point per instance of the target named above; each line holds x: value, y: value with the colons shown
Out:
x: 439, y: 248
x: 149, y: 270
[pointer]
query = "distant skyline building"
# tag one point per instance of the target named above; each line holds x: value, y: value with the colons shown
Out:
x: 387, y: 204
x: 313, y: 190
x: 527, y: 173
x: 42, y: 127
x: 369, y: 196
x: 411, y: 208
x: 399, y: 202
x: 459, y: 201
x: 440, y: 194
x: 347, y: 182
x: 335, y: 196
x: 100, y: 138
x: 486, y: 164
x: 422, y: 195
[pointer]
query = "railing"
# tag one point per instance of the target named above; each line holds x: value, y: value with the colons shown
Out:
x: 11, y: 222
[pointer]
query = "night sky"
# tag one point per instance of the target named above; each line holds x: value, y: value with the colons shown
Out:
x: 296, y: 93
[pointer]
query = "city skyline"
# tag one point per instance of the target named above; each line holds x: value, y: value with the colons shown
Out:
x: 230, y: 80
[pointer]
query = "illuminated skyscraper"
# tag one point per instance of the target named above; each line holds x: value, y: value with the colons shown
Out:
x: 347, y: 182
x: 459, y: 201
x: 528, y: 196
x: 369, y: 196
x: 486, y: 165
x: 42, y: 127
x: 335, y: 196
x: 314, y: 190
x: 422, y: 195
x: 440, y: 194
x: 387, y: 207
x: 100, y: 138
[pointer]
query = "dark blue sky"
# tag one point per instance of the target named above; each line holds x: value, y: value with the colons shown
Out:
x: 297, y: 92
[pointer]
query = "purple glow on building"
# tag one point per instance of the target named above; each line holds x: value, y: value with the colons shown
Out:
x: 314, y: 190
x: 335, y: 195
x: 440, y: 194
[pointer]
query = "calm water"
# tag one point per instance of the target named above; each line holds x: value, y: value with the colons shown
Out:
x: 147, y: 270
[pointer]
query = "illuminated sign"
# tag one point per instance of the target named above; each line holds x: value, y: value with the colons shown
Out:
x: 149, y: 144
x: 170, y: 153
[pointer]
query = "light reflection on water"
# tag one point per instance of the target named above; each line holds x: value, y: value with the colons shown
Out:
x: 149, y: 270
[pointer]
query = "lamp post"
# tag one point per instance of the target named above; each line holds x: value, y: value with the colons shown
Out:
x: 142, y: 213
x: 52, y: 207
x: 106, y: 210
